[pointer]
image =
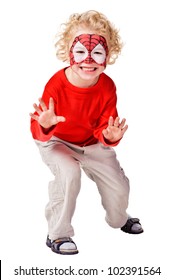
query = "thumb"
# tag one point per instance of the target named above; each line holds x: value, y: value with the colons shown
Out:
x: 105, y: 132
x: 60, y: 119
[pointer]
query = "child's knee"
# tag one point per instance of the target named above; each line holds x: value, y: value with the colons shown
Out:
x: 117, y: 221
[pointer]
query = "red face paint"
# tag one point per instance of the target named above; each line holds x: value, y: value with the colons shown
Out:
x: 89, y: 48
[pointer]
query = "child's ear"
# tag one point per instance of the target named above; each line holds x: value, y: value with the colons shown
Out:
x: 107, y: 59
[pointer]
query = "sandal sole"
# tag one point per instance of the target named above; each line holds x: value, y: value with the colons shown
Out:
x: 64, y: 252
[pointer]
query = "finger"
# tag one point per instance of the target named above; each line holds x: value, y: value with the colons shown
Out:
x: 51, y: 104
x: 111, y: 121
x: 124, y: 129
x: 42, y: 104
x: 121, y: 125
x: 33, y: 116
x: 116, y: 122
x: 37, y: 109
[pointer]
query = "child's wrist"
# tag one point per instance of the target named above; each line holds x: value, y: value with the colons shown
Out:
x: 46, y: 130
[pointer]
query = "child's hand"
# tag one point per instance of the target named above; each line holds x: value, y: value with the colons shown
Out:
x: 115, y: 129
x: 46, y: 116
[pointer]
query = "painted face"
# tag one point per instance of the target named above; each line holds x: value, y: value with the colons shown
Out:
x: 89, y: 48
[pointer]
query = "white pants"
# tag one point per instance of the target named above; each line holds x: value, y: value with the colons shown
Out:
x: 99, y: 162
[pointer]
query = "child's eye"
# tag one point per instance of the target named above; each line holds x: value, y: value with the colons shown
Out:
x: 99, y: 53
x: 79, y: 52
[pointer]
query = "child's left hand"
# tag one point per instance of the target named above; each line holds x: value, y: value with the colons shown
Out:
x: 115, y: 130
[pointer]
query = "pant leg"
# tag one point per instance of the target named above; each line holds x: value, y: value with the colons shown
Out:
x: 102, y: 166
x: 63, y: 190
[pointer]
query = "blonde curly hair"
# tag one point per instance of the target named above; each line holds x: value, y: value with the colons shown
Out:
x: 95, y: 21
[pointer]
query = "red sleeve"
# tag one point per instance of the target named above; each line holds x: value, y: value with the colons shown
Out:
x: 109, y: 109
x: 37, y: 132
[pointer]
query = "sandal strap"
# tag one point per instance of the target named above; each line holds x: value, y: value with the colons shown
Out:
x: 130, y: 222
x: 59, y: 241
x: 55, y: 245
x: 63, y: 240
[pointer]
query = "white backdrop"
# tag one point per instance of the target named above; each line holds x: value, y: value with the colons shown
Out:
x: 143, y: 76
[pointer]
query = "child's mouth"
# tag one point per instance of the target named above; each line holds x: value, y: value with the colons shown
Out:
x: 88, y: 69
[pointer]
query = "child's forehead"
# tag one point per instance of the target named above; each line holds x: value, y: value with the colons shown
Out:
x: 86, y: 36
x: 89, y: 38
x: 83, y: 31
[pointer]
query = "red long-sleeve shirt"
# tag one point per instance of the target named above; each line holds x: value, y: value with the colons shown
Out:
x: 86, y: 110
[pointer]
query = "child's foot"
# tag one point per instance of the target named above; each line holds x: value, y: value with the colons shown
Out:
x: 64, y: 246
x: 132, y: 226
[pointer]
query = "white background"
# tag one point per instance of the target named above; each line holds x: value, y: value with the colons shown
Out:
x: 143, y: 76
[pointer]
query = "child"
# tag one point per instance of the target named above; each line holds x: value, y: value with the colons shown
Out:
x: 76, y: 125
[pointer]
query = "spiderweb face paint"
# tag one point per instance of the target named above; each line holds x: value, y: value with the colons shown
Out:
x: 89, y: 48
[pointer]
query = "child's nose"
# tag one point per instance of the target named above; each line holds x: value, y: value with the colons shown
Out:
x: 89, y: 59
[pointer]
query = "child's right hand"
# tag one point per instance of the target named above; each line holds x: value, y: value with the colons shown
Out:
x: 46, y: 116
